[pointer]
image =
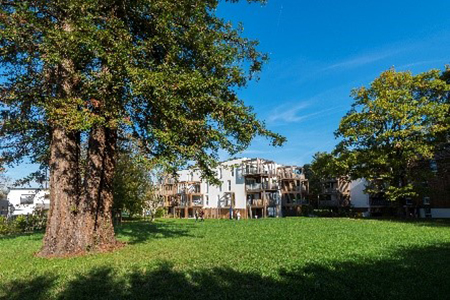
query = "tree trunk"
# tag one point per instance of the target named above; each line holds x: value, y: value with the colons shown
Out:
x: 95, y: 220
x: 80, y: 220
x: 61, y: 233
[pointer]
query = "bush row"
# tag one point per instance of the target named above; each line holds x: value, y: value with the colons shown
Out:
x: 22, y: 224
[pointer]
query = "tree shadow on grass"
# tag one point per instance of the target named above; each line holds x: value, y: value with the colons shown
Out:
x: 141, y: 231
x: 36, y: 288
x: 35, y: 236
x: 417, y: 222
x: 418, y: 273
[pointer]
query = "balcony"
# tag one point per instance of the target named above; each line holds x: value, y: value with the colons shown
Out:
x: 255, y: 202
x: 379, y: 202
x: 261, y: 171
x: 197, y: 202
x: 294, y: 189
x: 224, y: 203
x: 328, y: 203
x: 189, y: 189
x: 291, y: 173
x: 261, y: 186
x: 330, y: 190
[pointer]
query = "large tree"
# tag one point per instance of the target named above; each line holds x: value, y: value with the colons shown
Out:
x: 395, y: 123
x: 75, y: 72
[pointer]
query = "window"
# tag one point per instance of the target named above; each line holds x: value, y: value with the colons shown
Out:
x: 26, y: 198
x: 232, y: 171
x: 218, y: 199
x: 426, y: 200
x: 220, y: 173
x: 191, y: 177
x: 207, y: 200
x: 220, y: 187
x: 207, y: 188
x: 229, y: 185
x: 408, y: 201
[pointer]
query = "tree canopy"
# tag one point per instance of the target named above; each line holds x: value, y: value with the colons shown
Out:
x: 394, y: 123
x: 166, y: 71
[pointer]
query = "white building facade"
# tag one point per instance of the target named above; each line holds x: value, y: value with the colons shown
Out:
x: 25, y: 201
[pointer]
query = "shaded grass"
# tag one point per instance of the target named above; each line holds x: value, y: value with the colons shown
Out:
x: 292, y: 258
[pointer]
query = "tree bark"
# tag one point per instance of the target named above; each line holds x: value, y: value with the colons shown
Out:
x: 61, y: 236
x: 80, y: 220
x: 96, y: 207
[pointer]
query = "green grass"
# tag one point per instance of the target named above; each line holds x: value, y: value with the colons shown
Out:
x: 292, y: 258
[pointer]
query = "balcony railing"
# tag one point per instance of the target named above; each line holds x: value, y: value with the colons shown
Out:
x: 328, y: 203
x: 287, y: 175
x: 330, y: 190
x: 379, y: 202
x: 189, y: 189
x: 261, y: 186
x: 225, y: 203
x: 258, y: 171
x: 294, y: 189
x: 197, y: 202
x: 255, y: 202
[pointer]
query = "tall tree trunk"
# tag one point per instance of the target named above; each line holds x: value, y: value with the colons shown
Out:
x: 61, y: 233
x: 80, y: 220
x: 96, y: 207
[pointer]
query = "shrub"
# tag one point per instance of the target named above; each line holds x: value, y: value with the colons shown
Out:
x: 22, y: 223
x: 160, y: 212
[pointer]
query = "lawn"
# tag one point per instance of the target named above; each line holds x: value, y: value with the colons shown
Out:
x: 291, y: 258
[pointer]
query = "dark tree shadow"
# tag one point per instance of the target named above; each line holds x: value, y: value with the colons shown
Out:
x: 36, y: 288
x: 417, y: 222
x: 35, y: 236
x: 418, y: 273
x: 141, y: 231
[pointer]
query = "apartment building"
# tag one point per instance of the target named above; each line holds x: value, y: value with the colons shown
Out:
x: 255, y: 187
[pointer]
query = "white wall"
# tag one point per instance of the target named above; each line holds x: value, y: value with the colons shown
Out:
x: 231, y: 171
x: 358, y: 198
x: 436, y: 213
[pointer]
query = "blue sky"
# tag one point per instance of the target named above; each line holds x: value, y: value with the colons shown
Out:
x: 320, y: 50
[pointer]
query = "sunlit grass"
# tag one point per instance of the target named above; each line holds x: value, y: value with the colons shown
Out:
x: 260, y: 259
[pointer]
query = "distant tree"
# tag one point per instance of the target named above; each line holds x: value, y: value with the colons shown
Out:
x: 135, y: 177
x: 132, y: 180
x: 394, y: 123
x: 326, y: 166
x: 75, y: 72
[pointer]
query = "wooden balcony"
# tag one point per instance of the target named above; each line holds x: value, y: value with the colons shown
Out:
x: 262, y: 202
x: 329, y: 203
x: 257, y: 187
x: 291, y: 173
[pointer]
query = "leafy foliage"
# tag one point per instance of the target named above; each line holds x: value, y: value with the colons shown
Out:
x: 324, y: 166
x: 164, y: 71
x: 22, y: 224
x: 393, y: 124
x: 132, y: 180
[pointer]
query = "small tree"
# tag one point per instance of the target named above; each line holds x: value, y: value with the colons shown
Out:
x: 132, y: 179
x: 393, y: 124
